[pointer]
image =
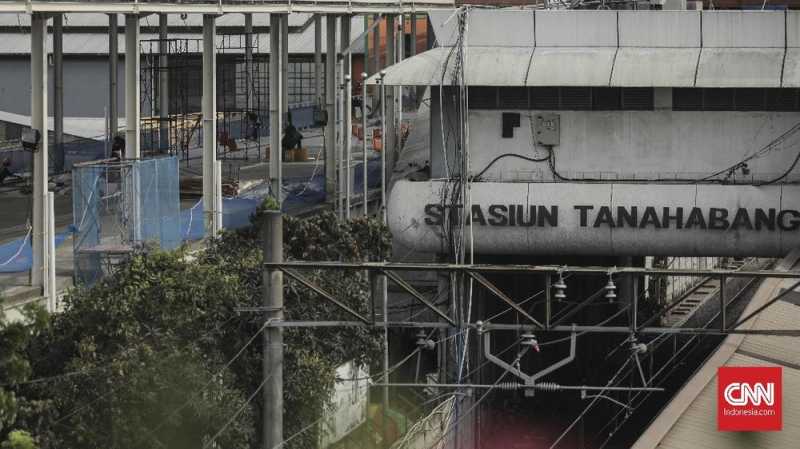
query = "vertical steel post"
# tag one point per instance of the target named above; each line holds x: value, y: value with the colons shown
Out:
x: 51, y: 287
x: 284, y: 71
x: 40, y: 157
x: 132, y: 125
x: 212, y: 189
x: 113, y: 59
x: 318, y: 59
x: 347, y: 93
x: 722, y: 305
x: 248, y: 60
x: 58, y: 91
x: 389, y: 138
x: 272, y: 241
x: 634, y: 302
x: 412, y: 51
x: 275, y: 95
x: 330, y: 105
x: 163, y: 84
x: 376, y: 44
x: 547, y: 300
x: 383, y: 147
x: 364, y: 160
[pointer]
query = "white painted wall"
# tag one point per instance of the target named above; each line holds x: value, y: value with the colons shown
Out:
x: 350, y: 400
x: 629, y: 144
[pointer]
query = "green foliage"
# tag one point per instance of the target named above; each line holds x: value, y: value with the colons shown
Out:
x: 19, y: 439
x: 14, y: 365
x: 141, y: 359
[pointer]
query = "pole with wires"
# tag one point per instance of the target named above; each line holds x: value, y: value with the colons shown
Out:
x: 272, y: 241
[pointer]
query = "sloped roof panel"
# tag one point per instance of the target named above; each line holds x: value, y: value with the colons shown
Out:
x: 740, y: 67
x: 670, y: 29
x: 486, y: 66
x: 501, y: 28
x: 571, y: 66
x: 576, y: 28
x: 655, y: 67
x: 791, y: 68
x: 754, y: 29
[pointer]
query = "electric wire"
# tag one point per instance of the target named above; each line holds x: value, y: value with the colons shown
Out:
x: 237, y: 413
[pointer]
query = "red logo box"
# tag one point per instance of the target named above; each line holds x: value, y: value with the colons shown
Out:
x: 749, y: 398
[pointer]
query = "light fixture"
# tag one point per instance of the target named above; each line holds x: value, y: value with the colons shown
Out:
x: 559, y: 287
x: 611, y: 289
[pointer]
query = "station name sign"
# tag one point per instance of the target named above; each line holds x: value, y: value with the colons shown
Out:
x: 636, y: 217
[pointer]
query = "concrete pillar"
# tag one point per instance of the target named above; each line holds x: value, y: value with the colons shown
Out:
x: 248, y: 60
x: 389, y: 139
x: 330, y: 105
x: 113, y: 59
x: 212, y: 189
x: 58, y: 91
x: 132, y: 125
x: 318, y: 59
x: 40, y: 157
x: 163, y: 84
x: 275, y: 96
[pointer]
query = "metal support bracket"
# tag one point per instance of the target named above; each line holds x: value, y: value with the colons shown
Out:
x: 530, y: 380
x: 416, y: 294
x: 496, y: 291
x: 318, y: 290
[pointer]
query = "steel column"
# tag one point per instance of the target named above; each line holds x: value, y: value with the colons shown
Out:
x: 163, y: 84
x: 58, y: 91
x: 347, y: 107
x: 212, y: 190
x: 330, y: 105
x: 376, y: 44
x: 40, y: 157
x: 364, y: 142
x: 275, y: 95
x: 272, y: 368
x: 132, y: 113
x: 318, y: 59
x: 284, y: 71
x: 113, y: 59
x: 389, y: 137
x: 248, y: 60
x: 722, y: 309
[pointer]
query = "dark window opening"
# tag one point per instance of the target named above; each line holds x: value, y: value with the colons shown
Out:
x: 738, y: 99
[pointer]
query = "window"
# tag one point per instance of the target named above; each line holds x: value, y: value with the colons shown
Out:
x: 561, y: 98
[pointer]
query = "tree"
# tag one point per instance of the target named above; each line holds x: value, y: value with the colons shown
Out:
x: 157, y: 354
x: 15, y: 336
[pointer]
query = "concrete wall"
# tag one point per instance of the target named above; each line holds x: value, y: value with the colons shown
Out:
x: 628, y: 144
x: 85, y: 86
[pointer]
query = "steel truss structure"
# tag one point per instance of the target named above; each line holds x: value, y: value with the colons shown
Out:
x: 550, y: 323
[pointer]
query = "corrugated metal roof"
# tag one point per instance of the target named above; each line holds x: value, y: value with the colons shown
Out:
x: 689, y: 420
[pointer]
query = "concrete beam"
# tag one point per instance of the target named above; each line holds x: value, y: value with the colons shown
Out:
x: 132, y: 113
x: 40, y: 157
x: 212, y: 189
x: 330, y: 105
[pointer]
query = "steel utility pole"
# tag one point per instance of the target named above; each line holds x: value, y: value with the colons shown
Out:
x: 272, y: 241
